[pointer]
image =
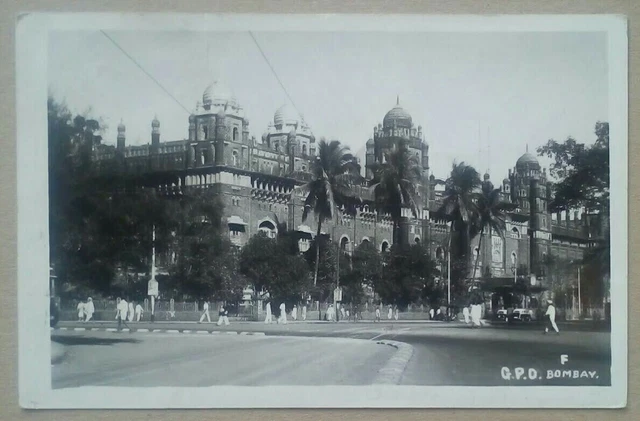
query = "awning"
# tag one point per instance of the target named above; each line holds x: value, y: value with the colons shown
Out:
x: 305, y: 228
x: 236, y: 220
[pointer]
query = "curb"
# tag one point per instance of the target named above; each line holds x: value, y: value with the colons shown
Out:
x: 393, y: 370
x: 178, y: 331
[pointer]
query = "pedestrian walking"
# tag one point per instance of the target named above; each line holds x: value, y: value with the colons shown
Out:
x: 80, y: 309
x: 431, y: 314
x: 377, y: 314
x: 343, y: 312
x: 476, y: 313
x: 121, y: 314
x: 397, y: 313
x: 551, y: 318
x: 331, y: 313
x: 89, y: 309
x: 304, y: 313
x: 466, y: 314
x: 283, y: 314
x: 139, y: 312
x: 269, y: 318
x: 390, y: 313
x: 205, y: 313
x: 294, y: 313
x: 223, y: 316
x: 130, y: 312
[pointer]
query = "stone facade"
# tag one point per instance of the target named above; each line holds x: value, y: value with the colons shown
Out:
x: 257, y: 181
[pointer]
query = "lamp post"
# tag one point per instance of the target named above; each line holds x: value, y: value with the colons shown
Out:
x: 579, y: 297
x: 449, y: 267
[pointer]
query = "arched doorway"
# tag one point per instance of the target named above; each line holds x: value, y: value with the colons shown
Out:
x: 268, y: 228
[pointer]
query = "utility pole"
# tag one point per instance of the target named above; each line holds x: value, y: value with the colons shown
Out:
x: 579, y: 297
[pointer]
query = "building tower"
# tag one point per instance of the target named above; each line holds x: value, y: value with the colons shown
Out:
x: 120, y: 144
x: 221, y: 132
x: 532, y: 196
x: 155, y: 135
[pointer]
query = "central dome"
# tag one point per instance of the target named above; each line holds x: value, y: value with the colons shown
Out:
x: 218, y: 94
x: 527, y: 160
x: 397, y: 116
x: 286, y: 116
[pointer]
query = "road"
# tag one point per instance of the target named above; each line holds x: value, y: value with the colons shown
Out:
x: 165, y: 359
x: 443, y: 354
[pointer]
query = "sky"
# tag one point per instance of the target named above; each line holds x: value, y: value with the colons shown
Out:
x: 481, y: 98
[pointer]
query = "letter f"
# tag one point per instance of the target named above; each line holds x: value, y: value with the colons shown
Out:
x: 564, y: 358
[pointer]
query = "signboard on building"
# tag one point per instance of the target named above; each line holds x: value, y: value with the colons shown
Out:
x: 496, y: 249
x: 152, y: 288
x: 337, y: 294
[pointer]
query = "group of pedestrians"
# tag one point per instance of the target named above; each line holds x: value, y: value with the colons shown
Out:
x: 127, y: 312
x: 282, y: 318
x: 391, y: 313
x: 85, y: 310
x: 473, y: 314
x: 223, y: 315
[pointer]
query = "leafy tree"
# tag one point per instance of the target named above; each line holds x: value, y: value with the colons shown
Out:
x: 268, y: 264
x: 335, y: 173
x: 321, y: 257
x: 459, y: 208
x: 582, y: 174
x: 490, y: 213
x: 206, y: 263
x: 408, y: 276
x: 395, y: 186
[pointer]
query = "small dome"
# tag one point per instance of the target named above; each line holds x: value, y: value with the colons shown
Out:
x: 218, y: 94
x: 527, y: 159
x: 121, y: 127
x: 264, y: 137
x: 370, y: 142
x: 155, y: 123
x: 313, y: 139
x: 286, y: 115
x: 505, y: 181
x: 292, y: 134
x: 399, y: 116
x: 486, y: 176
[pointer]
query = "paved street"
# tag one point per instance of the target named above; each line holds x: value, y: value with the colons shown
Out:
x: 301, y: 353
x: 165, y: 359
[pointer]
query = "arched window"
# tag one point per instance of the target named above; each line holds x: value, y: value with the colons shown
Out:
x: 304, y: 149
x: 235, y: 158
x: 268, y: 228
x: 344, y: 242
x: 515, y: 233
x: 439, y: 253
x: 205, y: 130
x: 417, y: 240
x: 385, y: 246
x: 235, y: 134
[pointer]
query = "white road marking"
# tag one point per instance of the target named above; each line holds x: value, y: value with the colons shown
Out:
x: 142, y: 330
x: 111, y: 329
x: 172, y: 331
x: 186, y: 331
x: 202, y: 331
x: 79, y: 329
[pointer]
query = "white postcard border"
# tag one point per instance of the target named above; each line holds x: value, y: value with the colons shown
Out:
x: 33, y: 248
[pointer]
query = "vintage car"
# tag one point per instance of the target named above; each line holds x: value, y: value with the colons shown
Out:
x: 522, y: 315
x: 502, y: 315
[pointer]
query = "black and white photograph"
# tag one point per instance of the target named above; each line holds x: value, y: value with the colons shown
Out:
x: 322, y: 211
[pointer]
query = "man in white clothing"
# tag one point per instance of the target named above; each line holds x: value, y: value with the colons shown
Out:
x: 121, y: 315
x: 465, y: 314
x: 89, y: 309
x: 131, y: 311
x: 80, y: 309
x: 283, y: 314
x: 205, y: 313
x: 139, y: 312
x: 269, y: 319
x: 551, y: 318
x: 294, y: 313
x: 304, y: 313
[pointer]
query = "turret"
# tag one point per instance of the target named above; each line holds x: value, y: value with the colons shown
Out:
x: 192, y: 127
x: 120, y: 145
x: 291, y: 148
x: 221, y: 132
x: 245, y: 131
x: 155, y: 135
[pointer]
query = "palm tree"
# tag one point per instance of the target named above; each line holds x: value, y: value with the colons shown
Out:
x: 395, y: 186
x: 335, y: 173
x: 459, y: 205
x: 490, y: 213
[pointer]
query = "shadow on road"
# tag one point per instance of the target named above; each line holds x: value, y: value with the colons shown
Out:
x: 80, y: 340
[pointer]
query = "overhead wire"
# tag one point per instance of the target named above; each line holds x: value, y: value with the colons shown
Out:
x: 144, y: 71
